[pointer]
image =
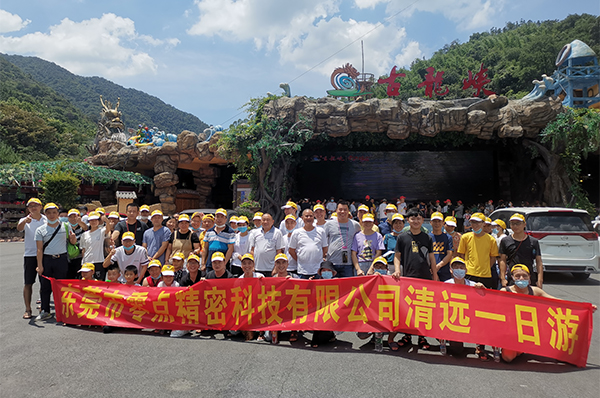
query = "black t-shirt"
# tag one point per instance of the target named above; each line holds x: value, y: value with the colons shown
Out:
x: 414, y: 251
x: 138, y: 229
x: 520, y: 252
x: 188, y: 281
x: 185, y: 236
x: 212, y: 275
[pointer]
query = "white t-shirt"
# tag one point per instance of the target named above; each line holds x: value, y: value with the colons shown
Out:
x: 402, y: 208
x: 162, y: 284
x: 30, y: 245
x: 299, y: 224
x: 254, y: 275
x: 292, y: 264
x: 139, y: 258
x: 265, y: 248
x: 240, y: 247
x: 381, y: 210
x: 309, y: 249
x: 93, y: 244
x: 468, y: 282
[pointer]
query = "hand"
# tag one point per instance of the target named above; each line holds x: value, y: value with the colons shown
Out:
x: 396, y: 275
x: 479, y: 285
x: 504, y: 282
x: 360, y: 273
x: 40, y: 270
x: 539, y: 283
x: 71, y: 234
x: 438, y: 266
x: 203, y: 268
x: 28, y: 218
x: 594, y: 308
x: 113, y: 251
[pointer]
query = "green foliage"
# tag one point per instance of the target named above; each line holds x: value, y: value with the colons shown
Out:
x: 60, y: 187
x: 573, y: 135
x: 7, y: 154
x: 514, y: 56
x: 84, y: 93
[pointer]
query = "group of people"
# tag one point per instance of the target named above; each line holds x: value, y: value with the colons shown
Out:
x: 309, y: 243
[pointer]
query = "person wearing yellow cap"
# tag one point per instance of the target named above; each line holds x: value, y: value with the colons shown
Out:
x: 265, y: 244
x: 257, y: 219
x: 248, y: 267
x: 442, y: 246
x: 289, y: 227
x: 233, y: 223
x: 193, y: 274
x: 219, y: 238
x: 208, y: 221
x: 29, y: 224
x: 389, y: 240
x: 128, y: 254
x: 366, y: 245
x: 240, y: 246
x: 131, y: 224
x: 290, y: 208
x: 52, y: 258
x: 385, y: 227
x: 340, y: 235
x: 498, y: 227
x: 450, y: 224
x: 92, y: 245
x: 308, y: 247
x: 154, y: 275
x: 360, y: 213
x: 183, y: 239
x: 87, y: 272
x: 320, y: 215
x: 520, y: 248
x: 219, y: 267
x: 196, y: 222
x: 156, y: 239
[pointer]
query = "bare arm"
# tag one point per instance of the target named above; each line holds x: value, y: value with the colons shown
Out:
x: 433, y: 267
x: 168, y: 252
x: 325, y: 249
x: 161, y: 250
x: 359, y: 271
x: 229, y: 252
x: 142, y: 273
x: 502, y: 265
x: 40, y: 257
x: 396, y: 273
x: 21, y: 224
x: 540, y: 271
x: 445, y: 260
x: 108, y: 258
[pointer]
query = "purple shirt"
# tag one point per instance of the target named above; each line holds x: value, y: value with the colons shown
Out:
x: 365, y: 246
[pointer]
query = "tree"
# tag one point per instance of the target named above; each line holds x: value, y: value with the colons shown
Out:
x: 263, y: 150
x: 61, y: 188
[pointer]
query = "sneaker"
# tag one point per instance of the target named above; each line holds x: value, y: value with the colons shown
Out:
x: 43, y: 316
x: 496, y: 354
x: 179, y: 333
x: 443, y: 347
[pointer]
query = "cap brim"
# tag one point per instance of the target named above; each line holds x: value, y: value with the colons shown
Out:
x: 218, y: 259
x: 85, y: 270
x: 451, y: 223
x: 168, y: 273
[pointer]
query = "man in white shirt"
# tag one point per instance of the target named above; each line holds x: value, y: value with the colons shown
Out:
x: 340, y: 234
x: 129, y: 254
x: 401, y: 204
x: 264, y: 244
x: 308, y: 246
x: 290, y: 208
x: 29, y: 224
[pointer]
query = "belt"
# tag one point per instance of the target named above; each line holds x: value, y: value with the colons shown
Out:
x: 55, y: 255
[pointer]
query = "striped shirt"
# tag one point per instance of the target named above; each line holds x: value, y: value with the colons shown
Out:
x: 218, y: 242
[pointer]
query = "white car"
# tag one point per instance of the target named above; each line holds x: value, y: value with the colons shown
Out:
x: 567, y: 239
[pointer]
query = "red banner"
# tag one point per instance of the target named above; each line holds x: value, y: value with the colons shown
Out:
x: 547, y: 327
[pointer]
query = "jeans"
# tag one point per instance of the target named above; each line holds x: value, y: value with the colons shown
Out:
x: 344, y: 270
x: 56, y: 268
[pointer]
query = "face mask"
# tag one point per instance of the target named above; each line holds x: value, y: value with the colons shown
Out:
x: 477, y: 231
x: 389, y: 216
x: 63, y: 219
x: 73, y: 225
x: 144, y: 218
x: 380, y: 271
x: 459, y: 273
x: 82, y: 213
x: 129, y: 247
x: 242, y: 229
x: 495, y: 231
x: 326, y: 274
x: 235, y: 229
x: 397, y: 232
x: 522, y: 283
x: 220, y: 226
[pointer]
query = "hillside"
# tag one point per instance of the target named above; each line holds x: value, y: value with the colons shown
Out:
x: 84, y: 93
x: 514, y: 56
x: 37, y: 123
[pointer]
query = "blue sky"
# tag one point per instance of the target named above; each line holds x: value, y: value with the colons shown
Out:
x: 208, y: 57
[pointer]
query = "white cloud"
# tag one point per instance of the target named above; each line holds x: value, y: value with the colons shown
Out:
x: 408, y: 54
x: 368, y: 3
x: 11, y: 22
x: 99, y: 46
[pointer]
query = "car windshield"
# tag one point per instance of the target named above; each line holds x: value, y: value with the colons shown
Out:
x: 559, y: 222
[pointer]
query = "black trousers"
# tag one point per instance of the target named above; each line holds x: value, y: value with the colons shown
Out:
x: 55, y: 267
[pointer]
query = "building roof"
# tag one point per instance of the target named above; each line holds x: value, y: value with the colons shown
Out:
x: 126, y: 195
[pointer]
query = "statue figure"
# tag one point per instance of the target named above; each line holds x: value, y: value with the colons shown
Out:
x: 110, y: 125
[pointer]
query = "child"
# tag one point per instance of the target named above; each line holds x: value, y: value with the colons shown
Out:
x: 248, y: 269
x: 87, y: 272
x: 168, y: 277
x: 130, y: 275
x: 379, y: 266
x: 178, y: 261
x: 326, y: 271
x: 154, y: 270
x: 113, y: 274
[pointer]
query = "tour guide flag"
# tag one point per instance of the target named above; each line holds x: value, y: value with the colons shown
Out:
x: 547, y: 327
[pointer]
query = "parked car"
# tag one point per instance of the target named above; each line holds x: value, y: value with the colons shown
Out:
x: 567, y: 238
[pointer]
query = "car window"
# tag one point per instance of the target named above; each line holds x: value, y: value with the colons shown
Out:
x: 502, y: 215
x: 557, y: 221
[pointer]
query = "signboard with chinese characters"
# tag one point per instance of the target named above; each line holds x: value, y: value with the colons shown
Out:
x: 547, y: 327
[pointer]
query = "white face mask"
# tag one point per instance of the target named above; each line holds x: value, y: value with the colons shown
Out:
x: 220, y: 226
x: 143, y: 218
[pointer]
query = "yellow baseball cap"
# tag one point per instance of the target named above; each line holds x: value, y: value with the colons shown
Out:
x: 128, y: 235
x: 488, y: 220
x: 258, y: 216
x: 114, y: 214
x: 458, y: 260
x: 499, y: 223
x: 217, y: 256
x: 94, y: 215
x: 209, y: 217
x: 334, y: 215
x: 391, y: 206
x: 397, y: 216
x: 50, y: 206
x: 156, y: 213
x: 477, y: 217
x: 517, y: 217
x: 155, y: 263
x: 380, y: 259
x: 192, y: 256
x: 368, y: 217
x: 221, y: 211
x: 242, y: 219
x: 363, y: 208
x: 450, y: 221
x: 233, y: 219
x: 281, y: 256
x: 290, y: 205
x: 168, y: 270
x: 178, y: 256
x: 437, y: 216
x: 145, y: 208
x: 86, y: 267
x: 34, y: 200
x: 101, y: 210
x: 196, y: 214
x: 247, y: 256
x: 73, y: 211
x: 183, y: 217
x: 319, y: 207
x: 290, y: 217
x: 519, y: 266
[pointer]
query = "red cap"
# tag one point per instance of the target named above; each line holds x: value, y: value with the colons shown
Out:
x: 367, y: 197
x: 437, y: 201
x: 402, y: 197
x: 459, y: 202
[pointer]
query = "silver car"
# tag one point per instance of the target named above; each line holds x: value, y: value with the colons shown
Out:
x: 567, y: 239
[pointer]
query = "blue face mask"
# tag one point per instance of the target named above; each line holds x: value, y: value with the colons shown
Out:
x: 326, y: 274
x: 129, y: 247
x: 242, y: 229
x: 380, y: 271
x: 397, y: 232
x: 477, y: 231
x: 73, y: 225
x: 522, y: 283
x: 495, y: 231
x: 459, y: 273
x: 235, y: 229
x: 63, y: 219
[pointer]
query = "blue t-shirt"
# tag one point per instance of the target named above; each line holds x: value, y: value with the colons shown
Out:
x: 154, y: 240
x: 385, y: 228
x: 59, y: 243
x: 389, y: 241
x: 218, y: 242
x: 441, y: 244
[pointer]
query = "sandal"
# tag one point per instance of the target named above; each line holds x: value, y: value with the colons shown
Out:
x: 293, y: 336
x: 27, y: 315
x: 405, y: 340
x: 423, y: 344
x: 393, y: 345
x: 483, y: 356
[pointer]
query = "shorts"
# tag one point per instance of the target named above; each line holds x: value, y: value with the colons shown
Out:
x: 487, y: 282
x: 29, y: 269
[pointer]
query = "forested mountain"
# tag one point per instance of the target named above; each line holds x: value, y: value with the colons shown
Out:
x: 37, y: 123
x: 514, y: 56
x: 84, y: 92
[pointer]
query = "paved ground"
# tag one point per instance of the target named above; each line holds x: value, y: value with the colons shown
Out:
x: 49, y: 360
